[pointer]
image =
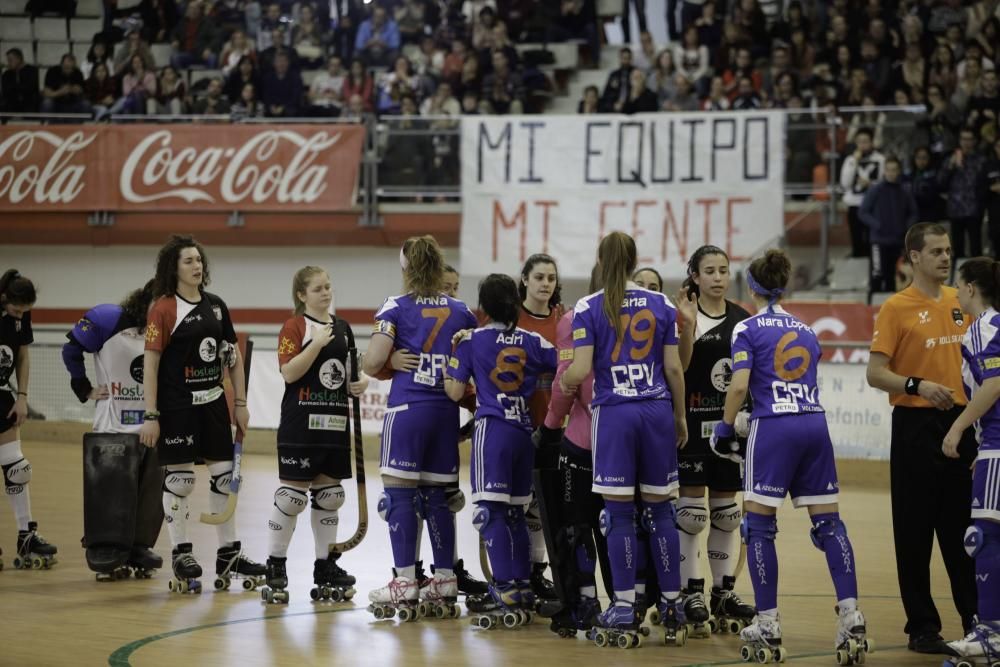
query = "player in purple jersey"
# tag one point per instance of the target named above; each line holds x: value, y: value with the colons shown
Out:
x: 789, y: 451
x: 505, y: 362
x: 419, y: 453
x: 628, y: 337
x: 979, y: 295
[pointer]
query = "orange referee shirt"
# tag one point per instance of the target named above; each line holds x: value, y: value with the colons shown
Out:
x: 923, y: 338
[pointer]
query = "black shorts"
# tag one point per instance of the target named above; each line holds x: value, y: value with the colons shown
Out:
x: 304, y: 464
x: 697, y: 466
x: 7, y: 400
x: 198, y: 432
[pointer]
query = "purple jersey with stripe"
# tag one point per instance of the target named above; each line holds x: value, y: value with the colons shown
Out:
x: 782, y: 354
x: 980, y: 362
x: 423, y: 325
x: 505, y: 366
x: 630, y: 369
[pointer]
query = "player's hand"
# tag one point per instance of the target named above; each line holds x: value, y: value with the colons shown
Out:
x: 724, y: 444
x: 323, y: 335
x: 228, y: 353
x: 99, y: 393
x: 951, y: 441
x: 149, y: 434
x: 19, y: 411
x: 359, y: 387
x: 742, y: 424
x: 938, y: 395
x: 242, y: 419
x: 459, y: 336
x: 681, y: 429
x: 404, y: 360
x: 687, y: 305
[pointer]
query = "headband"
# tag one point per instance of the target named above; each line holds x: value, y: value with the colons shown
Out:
x: 755, y: 287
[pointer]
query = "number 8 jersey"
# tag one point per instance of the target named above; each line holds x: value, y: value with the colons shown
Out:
x: 782, y: 354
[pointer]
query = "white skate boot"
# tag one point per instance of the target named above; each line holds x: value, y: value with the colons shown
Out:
x: 980, y: 648
x: 762, y: 640
x: 852, y: 638
x: 441, y: 595
x: 400, y: 595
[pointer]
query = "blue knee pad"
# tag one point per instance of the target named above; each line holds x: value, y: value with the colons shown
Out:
x: 515, y: 515
x: 386, y: 502
x: 609, y: 519
x: 430, y: 498
x: 982, y: 540
x: 758, y: 526
x: 480, y: 517
x: 652, y: 512
x: 827, y: 528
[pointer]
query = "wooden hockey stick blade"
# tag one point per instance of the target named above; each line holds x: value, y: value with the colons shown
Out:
x: 234, y: 490
x: 359, y: 466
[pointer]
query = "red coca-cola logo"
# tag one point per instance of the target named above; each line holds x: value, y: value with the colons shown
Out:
x: 38, y: 167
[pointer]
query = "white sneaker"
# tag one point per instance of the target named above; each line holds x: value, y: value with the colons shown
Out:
x: 399, y: 589
x: 982, y: 642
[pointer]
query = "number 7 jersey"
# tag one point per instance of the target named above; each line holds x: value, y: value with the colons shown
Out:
x: 782, y: 354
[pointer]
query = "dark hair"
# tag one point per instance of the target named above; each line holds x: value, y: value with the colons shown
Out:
x: 16, y: 52
x: 498, y: 298
x: 865, y: 130
x: 659, y: 278
x: 165, y: 282
x: 448, y: 268
x: 773, y: 270
x: 967, y: 130
x: 617, y: 255
x: 17, y: 290
x: 915, y: 236
x: 540, y: 258
x: 984, y: 273
x: 136, y: 303
x: 694, y: 267
x: 424, y: 270
x: 896, y: 160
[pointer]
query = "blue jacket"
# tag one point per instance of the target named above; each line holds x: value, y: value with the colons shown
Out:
x: 888, y: 209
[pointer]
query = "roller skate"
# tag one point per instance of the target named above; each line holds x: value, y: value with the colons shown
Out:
x: 274, y: 591
x: 695, y: 610
x: 33, y: 552
x: 852, y: 642
x: 729, y: 613
x: 502, y: 606
x: 581, y: 616
x: 108, y: 562
x: 544, y: 590
x: 467, y: 584
x: 143, y: 561
x: 762, y: 640
x: 979, y: 648
x: 186, y: 571
x: 618, y: 626
x: 230, y: 563
x: 419, y: 574
x: 670, y: 616
x: 401, y: 595
x: 441, y: 595
x: 331, y: 582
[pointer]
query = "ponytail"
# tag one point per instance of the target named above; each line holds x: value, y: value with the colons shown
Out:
x: 17, y: 290
x: 423, y: 265
x: 136, y: 304
x: 984, y: 273
x: 617, y: 255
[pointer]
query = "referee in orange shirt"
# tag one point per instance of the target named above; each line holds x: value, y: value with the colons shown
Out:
x: 916, y: 357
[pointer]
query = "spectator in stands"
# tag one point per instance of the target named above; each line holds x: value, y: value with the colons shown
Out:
x: 441, y: 103
x: 63, y: 91
x: 171, y: 94
x: 867, y: 118
x: 779, y: 64
x: 857, y: 89
x: 748, y: 16
x: 709, y: 26
x: 800, y: 147
x: 974, y: 51
x: 591, y: 101
x: 945, y: 15
x: 228, y: 16
x: 135, y: 45
x: 19, y: 85
x: 472, y: 9
x: 860, y: 170
x: 968, y: 86
x: 662, y: 79
x: 281, y: 89
x: 786, y: 88
x: 355, y: 109
x: 265, y: 58
x: 498, y: 40
x: 794, y: 19
x: 346, y: 16
x: 942, y: 123
x: 471, y: 78
x: 407, y: 158
x: 394, y: 85
x: 158, y: 20
x: 503, y: 90
x: 247, y: 106
x: 264, y: 31
x: 639, y: 98
x: 410, y: 19
x: 988, y: 36
x: 684, y: 98
x: 428, y: 61
x: 912, y: 70
x: 377, y: 42
x: 213, y: 102
x: 645, y: 59
x: 822, y: 85
x: 577, y: 19
x: 454, y: 61
x: 235, y: 50
x: 194, y: 40
x: 991, y: 177
x: 843, y: 65
x: 692, y: 60
x: 482, y: 27
x: 308, y: 43
x: 717, y: 99
x: 924, y: 185
x: 803, y: 55
x: 961, y: 180
x: 747, y: 98
x: 245, y: 72
x: 97, y: 53
x: 741, y: 67
x: 101, y: 90
x: 640, y: 15
x: 953, y: 38
x: 359, y: 82
x: 942, y: 72
x: 470, y: 103
x: 888, y: 210
x: 138, y: 84
x: 617, y: 84
x: 983, y: 109
x: 326, y: 92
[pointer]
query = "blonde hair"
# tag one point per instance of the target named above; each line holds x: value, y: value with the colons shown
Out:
x: 300, y: 283
x: 617, y: 256
x: 424, y: 272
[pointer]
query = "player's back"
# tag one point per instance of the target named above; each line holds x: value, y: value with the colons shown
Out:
x: 981, y: 361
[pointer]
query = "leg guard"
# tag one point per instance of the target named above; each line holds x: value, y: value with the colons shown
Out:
x: 149, y: 505
x: 440, y: 527
x: 692, y: 519
x: 521, y: 547
x: 829, y: 535
x: 723, y: 545
x: 664, y: 547
x: 537, y: 537
x: 110, y: 482
x: 289, y: 502
x: 759, y: 531
x: 985, y: 534
x: 16, y: 475
x: 398, y: 507
x: 618, y: 527
x: 222, y: 475
x: 489, y: 518
x: 325, y: 517
x: 178, y: 483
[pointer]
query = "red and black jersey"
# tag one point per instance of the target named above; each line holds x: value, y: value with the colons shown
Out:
x: 314, y: 408
x: 14, y: 334
x: 189, y: 336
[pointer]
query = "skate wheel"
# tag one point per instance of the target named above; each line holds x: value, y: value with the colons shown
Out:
x: 746, y: 654
x: 376, y: 611
x: 37, y: 563
x: 18, y: 563
x: 780, y: 654
x: 439, y: 611
x: 763, y: 656
x: 654, y: 616
x: 283, y: 596
x: 170, y: 585
x: 869, y: 646
x: 219, y: 584
x: 182, y: 587
x: 265, y: 594
x: 843, y: 657
x: 405, y: 614
x: 680, y: 639
x: 734, y: 626
x: 337, y: 595
x: 249, y: 584
x: 624, y: 641
x: 601, y: 638
x: 960, y: 663
x: 349, y: 593
x: 482, y: 622
x: 637, y: 641
x: 314, y: 594
x: 456, y: 612
x: 511, y: 619
x: 860, y: 658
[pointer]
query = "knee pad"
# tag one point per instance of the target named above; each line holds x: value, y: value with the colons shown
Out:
x: 653, y: 511
x: 481, y: 517
x: 692, y: 516
x: 16, y: 475
x: 532, y: 514
x: 179, y: 482
x: 982, y: 539
x: 825, y: 529
x: 289, y: 500
x: 327, y: 498
x: 768, y: 531
x: 386, y: 502
x: 515, y: 514
x: 726, y: 517
x: 974, y: 540
x: 222, y: 477
x: 456, y: 500
x: 431, y: 497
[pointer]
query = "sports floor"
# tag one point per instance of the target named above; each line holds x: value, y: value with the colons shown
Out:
x: 64, y: 617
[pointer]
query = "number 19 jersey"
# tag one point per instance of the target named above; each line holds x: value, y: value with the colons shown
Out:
x: 782, y: 354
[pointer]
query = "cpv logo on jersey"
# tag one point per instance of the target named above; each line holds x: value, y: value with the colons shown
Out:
x: 332, y: 374
x: 208, y: 350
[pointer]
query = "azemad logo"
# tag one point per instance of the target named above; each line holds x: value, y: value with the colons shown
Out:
x: 208, y: 350
x: 136, y: 368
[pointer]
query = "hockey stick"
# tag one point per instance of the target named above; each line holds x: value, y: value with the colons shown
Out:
x: 359, y: 465
x: 234, y: 484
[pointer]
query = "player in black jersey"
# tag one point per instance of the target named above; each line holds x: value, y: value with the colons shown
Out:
x: 190, y: 343
x: 17, y: 296
x: 314, y: 446
x: 705, y: 348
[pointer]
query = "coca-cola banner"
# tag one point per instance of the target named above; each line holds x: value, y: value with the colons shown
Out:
x: 179, y: 167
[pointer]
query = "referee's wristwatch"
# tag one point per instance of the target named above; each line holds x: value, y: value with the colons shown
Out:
x: 912, y: 386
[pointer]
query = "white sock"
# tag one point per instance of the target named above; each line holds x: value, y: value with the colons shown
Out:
x: 17, y: 494
x: 280, y: 529
x: 324, y: 525
x: 222, y: 473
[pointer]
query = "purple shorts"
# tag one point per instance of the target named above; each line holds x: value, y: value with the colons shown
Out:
x: 634, y: 443
x: 790, y: 455
x: 420, y: 441
x: 502, y: 459
x: 986, y: 488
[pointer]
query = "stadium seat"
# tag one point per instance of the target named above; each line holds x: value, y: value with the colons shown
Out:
x: 610, y: 8
x: 15, y: 27
x: 50, y: 29
x: 83, y: 30
x: 51, y: 53
x: 161, y: 54
x: 8, y: 7
x: 309, y: 75
x: 196, y: 75
x: 89, y: 8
